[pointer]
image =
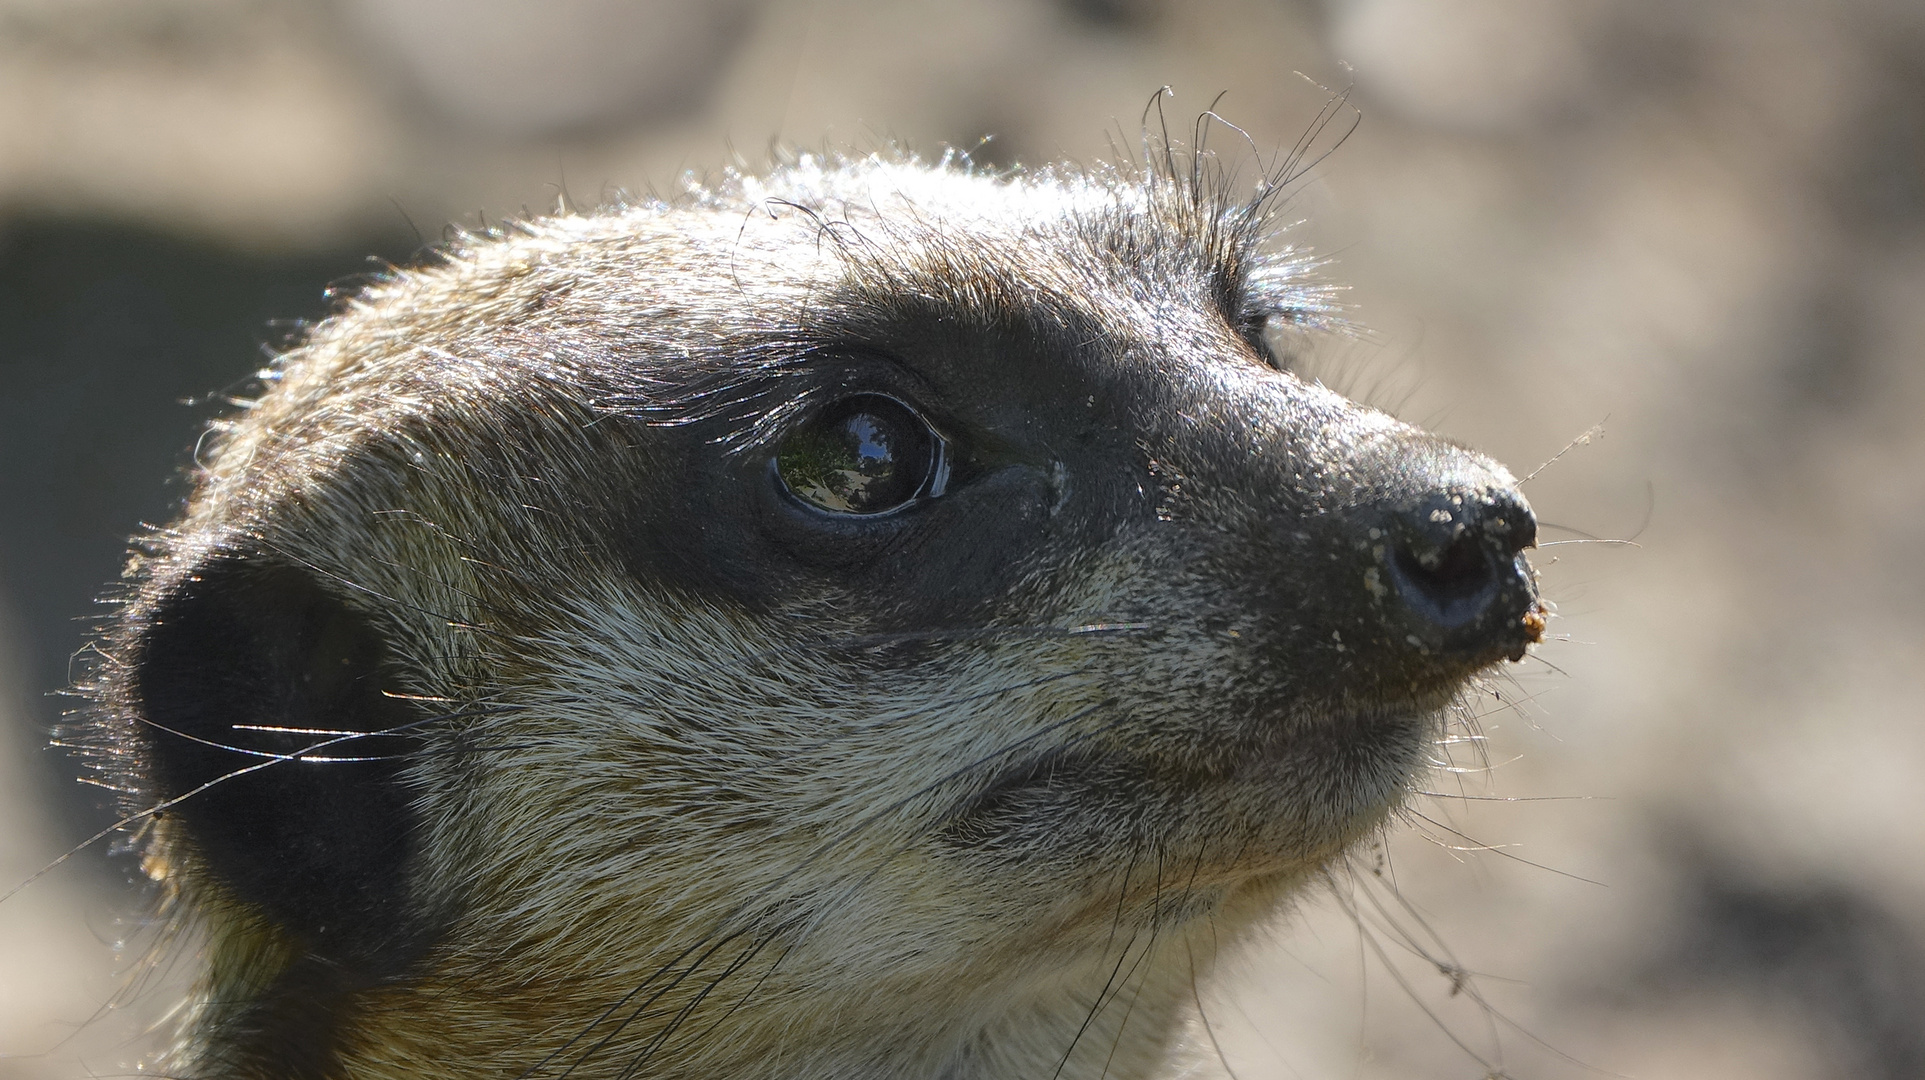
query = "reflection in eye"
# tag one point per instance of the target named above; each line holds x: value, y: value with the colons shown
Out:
x: 867, y: 454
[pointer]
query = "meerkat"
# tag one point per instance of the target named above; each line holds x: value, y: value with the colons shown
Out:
x: 873, y: 618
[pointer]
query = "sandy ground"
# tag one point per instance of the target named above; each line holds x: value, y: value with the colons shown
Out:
x: 1690, y: 846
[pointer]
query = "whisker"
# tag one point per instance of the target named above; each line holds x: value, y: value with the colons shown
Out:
x: 306, y: 754
x: 1376, y: 947
x: 1463, y: 980
x: 1297, y: 163
x: 1104, y: 996
x: 168, y: 804
x: 750, y: 992
x: 688, y: 1009
x: 1156, y: 924
x: 1461, y: 977
x: 622, y: 1025
x: 1594, y: 431
x: 1096, y: 1006
x: 1203, y: 1016
x: 1508, y: 798
x: 1498, y: 849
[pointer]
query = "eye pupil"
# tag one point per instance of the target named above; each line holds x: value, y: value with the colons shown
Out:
x: 866, y: 455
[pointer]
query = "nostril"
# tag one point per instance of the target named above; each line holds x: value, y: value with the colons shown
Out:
x: 1460, y: 575
x: 1448, y: 584
x: 1512, y: 526
x: 1457, y: 572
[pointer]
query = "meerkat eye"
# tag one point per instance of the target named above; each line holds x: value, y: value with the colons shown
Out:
x: 866, y: 454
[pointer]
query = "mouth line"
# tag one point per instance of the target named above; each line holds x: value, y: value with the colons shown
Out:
x: 1057, y: 768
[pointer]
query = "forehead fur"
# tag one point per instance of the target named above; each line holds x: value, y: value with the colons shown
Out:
x: 752, y: 277
x: 882, y: 229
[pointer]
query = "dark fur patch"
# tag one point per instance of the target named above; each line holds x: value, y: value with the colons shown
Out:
x: 248, y: 673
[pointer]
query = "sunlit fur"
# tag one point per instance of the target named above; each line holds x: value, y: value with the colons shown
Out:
x: 667, y: 835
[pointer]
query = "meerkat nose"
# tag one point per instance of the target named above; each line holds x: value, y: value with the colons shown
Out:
x: 1460, y: 572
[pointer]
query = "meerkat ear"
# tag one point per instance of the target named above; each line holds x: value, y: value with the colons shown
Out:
x: 269, y: 722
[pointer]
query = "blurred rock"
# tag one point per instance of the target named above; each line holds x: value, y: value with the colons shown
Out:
x: 215, y: 115
x: 539, y: 67
x: 1469, y: 65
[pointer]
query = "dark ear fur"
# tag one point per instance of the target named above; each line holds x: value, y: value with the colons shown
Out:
x: 246, y: 673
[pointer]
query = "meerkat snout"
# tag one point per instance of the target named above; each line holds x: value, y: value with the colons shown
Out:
x: 874, y: 619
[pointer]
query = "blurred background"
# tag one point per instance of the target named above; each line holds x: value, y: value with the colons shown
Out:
x: 1693, y: 846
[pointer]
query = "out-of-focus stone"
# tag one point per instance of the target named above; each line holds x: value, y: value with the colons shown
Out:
x: 536, y: 67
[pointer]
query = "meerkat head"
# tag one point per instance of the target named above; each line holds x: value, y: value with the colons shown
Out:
x: 856, y: 621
